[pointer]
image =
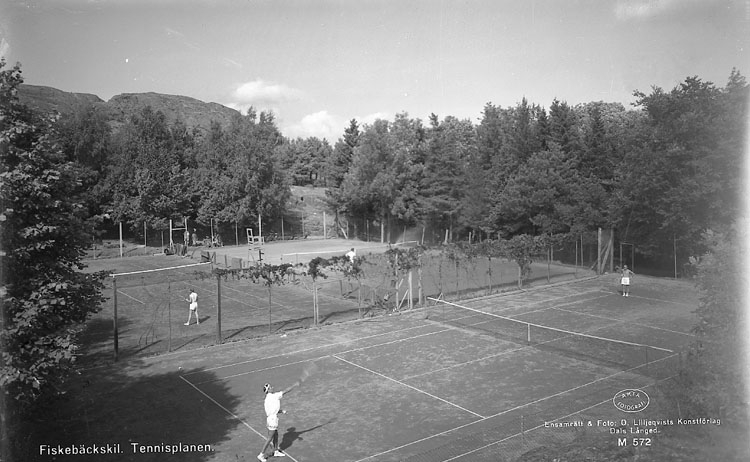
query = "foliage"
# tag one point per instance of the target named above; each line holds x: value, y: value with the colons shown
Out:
x: 46, y: 297
x: 682, y: 177
x: 305, y: 160
x: 239, y: 178
x: 449, y: 144
x: 713, y: 381
x: 268, y: 275
x: 401, y: 261
x: 148, y: 176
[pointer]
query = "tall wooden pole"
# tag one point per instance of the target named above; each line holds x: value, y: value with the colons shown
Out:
x: 218, y: 309
x: 114, y: 314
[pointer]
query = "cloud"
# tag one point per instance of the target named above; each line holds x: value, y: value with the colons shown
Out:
x: 261, y: 93
x: 327, y: 126
x: 369, y: 119
x: 320, y: 124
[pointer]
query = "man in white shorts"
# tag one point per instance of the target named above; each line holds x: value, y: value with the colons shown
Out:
x: 193, y: 300
x: 272, y: 405
x: 625, y: 281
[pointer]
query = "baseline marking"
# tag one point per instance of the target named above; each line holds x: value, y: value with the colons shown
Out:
x: 625, y: 320
x: 653, y: 299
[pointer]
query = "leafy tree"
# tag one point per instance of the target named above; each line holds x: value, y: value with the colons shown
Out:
x: 239, y: 178
x: 338, y: 165
x: 85, y: 138
x: 713, y: 380
x: 482, y: 169
x: 563, y: 127
x: 450, y: 145
x: 148, y: 178
x: 341, y: 158
x: 369, y: 186
x: 681, y: 176
x: 46, y: 297
x: 305, y: 160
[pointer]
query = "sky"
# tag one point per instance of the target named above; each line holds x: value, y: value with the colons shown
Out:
x: 317, y: 64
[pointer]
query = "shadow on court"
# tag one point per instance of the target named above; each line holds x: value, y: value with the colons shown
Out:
x: 292, y: 434
x: 131, y: 411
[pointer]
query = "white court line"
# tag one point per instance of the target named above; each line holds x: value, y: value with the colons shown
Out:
x: 255, y: 371
x: 396, y: 341
x: 304, y: 350
x: 509, y: 410
x: 213, y: 292
x: 408, y: 386
x: 514, y: 316
x: 119, y: 291
x: 319, y: 357
x: 231, y: 413
x: 468, y: 362
x: 626, y: 320
x: 529, y: 430
x: 534, y: 428
x: 653, y: 299
x: 154, y: 270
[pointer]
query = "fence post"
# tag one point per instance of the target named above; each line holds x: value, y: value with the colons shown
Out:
x: 218, y: 309
x: 169, y: 313
x: 114, y: 314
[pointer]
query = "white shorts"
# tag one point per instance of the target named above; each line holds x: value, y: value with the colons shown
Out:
x: 272, y: 422
x: 194, y: 306
x: 625, y: 281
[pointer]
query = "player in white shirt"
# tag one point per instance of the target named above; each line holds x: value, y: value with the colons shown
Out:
x: 193, y: 300
x: 351, y: 255
x: 272, y: 405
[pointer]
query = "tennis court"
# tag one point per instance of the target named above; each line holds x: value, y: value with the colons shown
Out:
x: 444, y: 383
x: 148, y: 296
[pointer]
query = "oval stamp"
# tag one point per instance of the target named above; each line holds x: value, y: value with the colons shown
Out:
x: 631, y: 400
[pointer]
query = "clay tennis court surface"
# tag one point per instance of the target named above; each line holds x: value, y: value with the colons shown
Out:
x: 414, y: 386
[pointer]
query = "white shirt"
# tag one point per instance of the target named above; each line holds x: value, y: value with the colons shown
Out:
x: 272, y: 403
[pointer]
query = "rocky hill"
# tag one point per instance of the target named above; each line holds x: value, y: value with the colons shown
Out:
x: 194, y: 113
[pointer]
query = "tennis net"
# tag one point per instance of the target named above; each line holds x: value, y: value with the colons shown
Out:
x: 166, y: 275
x: 640, y: 358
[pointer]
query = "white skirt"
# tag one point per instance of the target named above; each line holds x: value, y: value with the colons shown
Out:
x: 625, y: 281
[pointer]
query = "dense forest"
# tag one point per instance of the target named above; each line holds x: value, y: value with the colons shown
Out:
x: 659, y: 173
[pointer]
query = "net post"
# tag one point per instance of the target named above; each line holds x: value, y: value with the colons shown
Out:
x: 114, y: 315
x: 528, y: 333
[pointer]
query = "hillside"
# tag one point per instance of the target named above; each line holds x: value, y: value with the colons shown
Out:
x: 194, y: 113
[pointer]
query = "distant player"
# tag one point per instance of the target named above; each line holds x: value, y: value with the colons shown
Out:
x: 272, y: 405
x: 351, y: 254
x: 625, y: 280
x: 193, y: 300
